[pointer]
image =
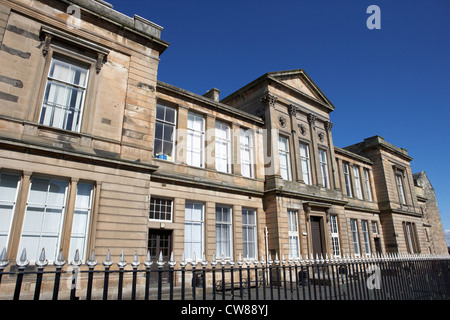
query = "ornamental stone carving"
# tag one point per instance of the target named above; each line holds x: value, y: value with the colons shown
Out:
x: 302, y: 129
x: 328, y: 125
x: 312, y: 120
x: 269, y: 100
x: 321, y: 136
x: 282, y: 121
x: 292, y: 110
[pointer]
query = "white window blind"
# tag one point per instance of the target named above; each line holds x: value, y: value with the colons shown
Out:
x: 64, y: 95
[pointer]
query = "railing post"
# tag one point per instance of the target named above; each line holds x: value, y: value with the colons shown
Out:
x: 213, y: 266
x: 171, y: 267
x: 204, y: 263
x: 107, y: 264
x: 41, y: 263
x: 76, y: 262
x: 160, y: 263
x: 134, y: 264
x: 183, y: 275
x: 3, y: 263
x: 148, y: 263
x: 121, y: 264
x: 91, y: 263
x: 58, y: 263
x: 22, y: 263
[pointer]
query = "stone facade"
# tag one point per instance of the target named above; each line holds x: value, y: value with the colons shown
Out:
x: 136, y: 164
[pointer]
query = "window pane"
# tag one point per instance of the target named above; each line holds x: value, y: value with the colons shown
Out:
x: 64, y: 95
x: 81, y: 217
x: 43, y: 218
x: 9, y: 184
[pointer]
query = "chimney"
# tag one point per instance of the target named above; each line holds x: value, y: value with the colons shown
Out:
x: 213, y: 94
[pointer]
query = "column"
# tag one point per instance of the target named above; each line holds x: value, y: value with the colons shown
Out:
x: 68, y: 220
x: 271, y: 154
x: 19, y: 215
x: 295, y: 157
x: 235, y: 149
x: 314, y: 153
x: 210, y: 142
x: 181, y: 139
x: 334, y: 170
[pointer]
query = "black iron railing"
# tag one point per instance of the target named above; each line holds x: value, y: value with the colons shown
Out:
x: 385, y: 277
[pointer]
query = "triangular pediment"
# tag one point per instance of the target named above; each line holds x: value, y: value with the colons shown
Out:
x: 300, y: 81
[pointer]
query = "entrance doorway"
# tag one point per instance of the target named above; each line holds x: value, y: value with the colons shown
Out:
x: 316, y: 236
x: 159, y: 241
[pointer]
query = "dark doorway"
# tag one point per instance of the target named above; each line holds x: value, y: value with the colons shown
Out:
x: 316, y: 236
x: 378, y: 245
x: 159, y: 241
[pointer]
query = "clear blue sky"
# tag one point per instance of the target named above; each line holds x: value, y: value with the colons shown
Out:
x: 393, y: 82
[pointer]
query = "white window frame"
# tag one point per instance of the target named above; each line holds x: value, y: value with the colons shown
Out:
x: 335, y: 235
x: 400, y: 189
x: 347, y: 179
x: 305, y: 161
x: 164, y: 199
x: 189, y: 256
x: 82, y: 251
x: 366, y: 237
x: 375, y: 227
x: 43, y: 117
x: 33, y: 256
x: 246, y: 242
x: 9, y: 202
x: 357, y: 183
x: 285, y: 172
x: 165, y: 123
x: 226, y: 228
x: 294, y: 238
x: 367, y: 183
x: 192, y: 132
x: 223, y: 137
x: 324, y: 168
x: 355, y: 237
x: 246, y: 147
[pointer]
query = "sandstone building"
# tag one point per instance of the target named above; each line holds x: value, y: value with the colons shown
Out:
x: 96, y: 153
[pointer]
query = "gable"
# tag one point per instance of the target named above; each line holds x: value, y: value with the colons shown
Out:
x: 300, y: 81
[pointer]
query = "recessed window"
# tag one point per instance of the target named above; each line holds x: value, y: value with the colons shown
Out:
x: 357, y: 182
x: 324, y: 168
x: 224, y: 232
x: 283, y: 153
x: 305, y: 163
x: 365, y: 231
x: 249, y: 233
x: 195, y: 140
x: 193, y: 231
x: 44, y: 216
x: 335, y: 235
x: 367, y: 184
x: 223, y: 147
x: 161, y: 209
x: 401, y: 191
x: 9, y: 188
x: 81, y: 218
x: 164, y: 132
x: 65, y: 94
x: 246, y: 142
x: 294, y: 244
x: 348, y: 186
x: 355, y: 236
